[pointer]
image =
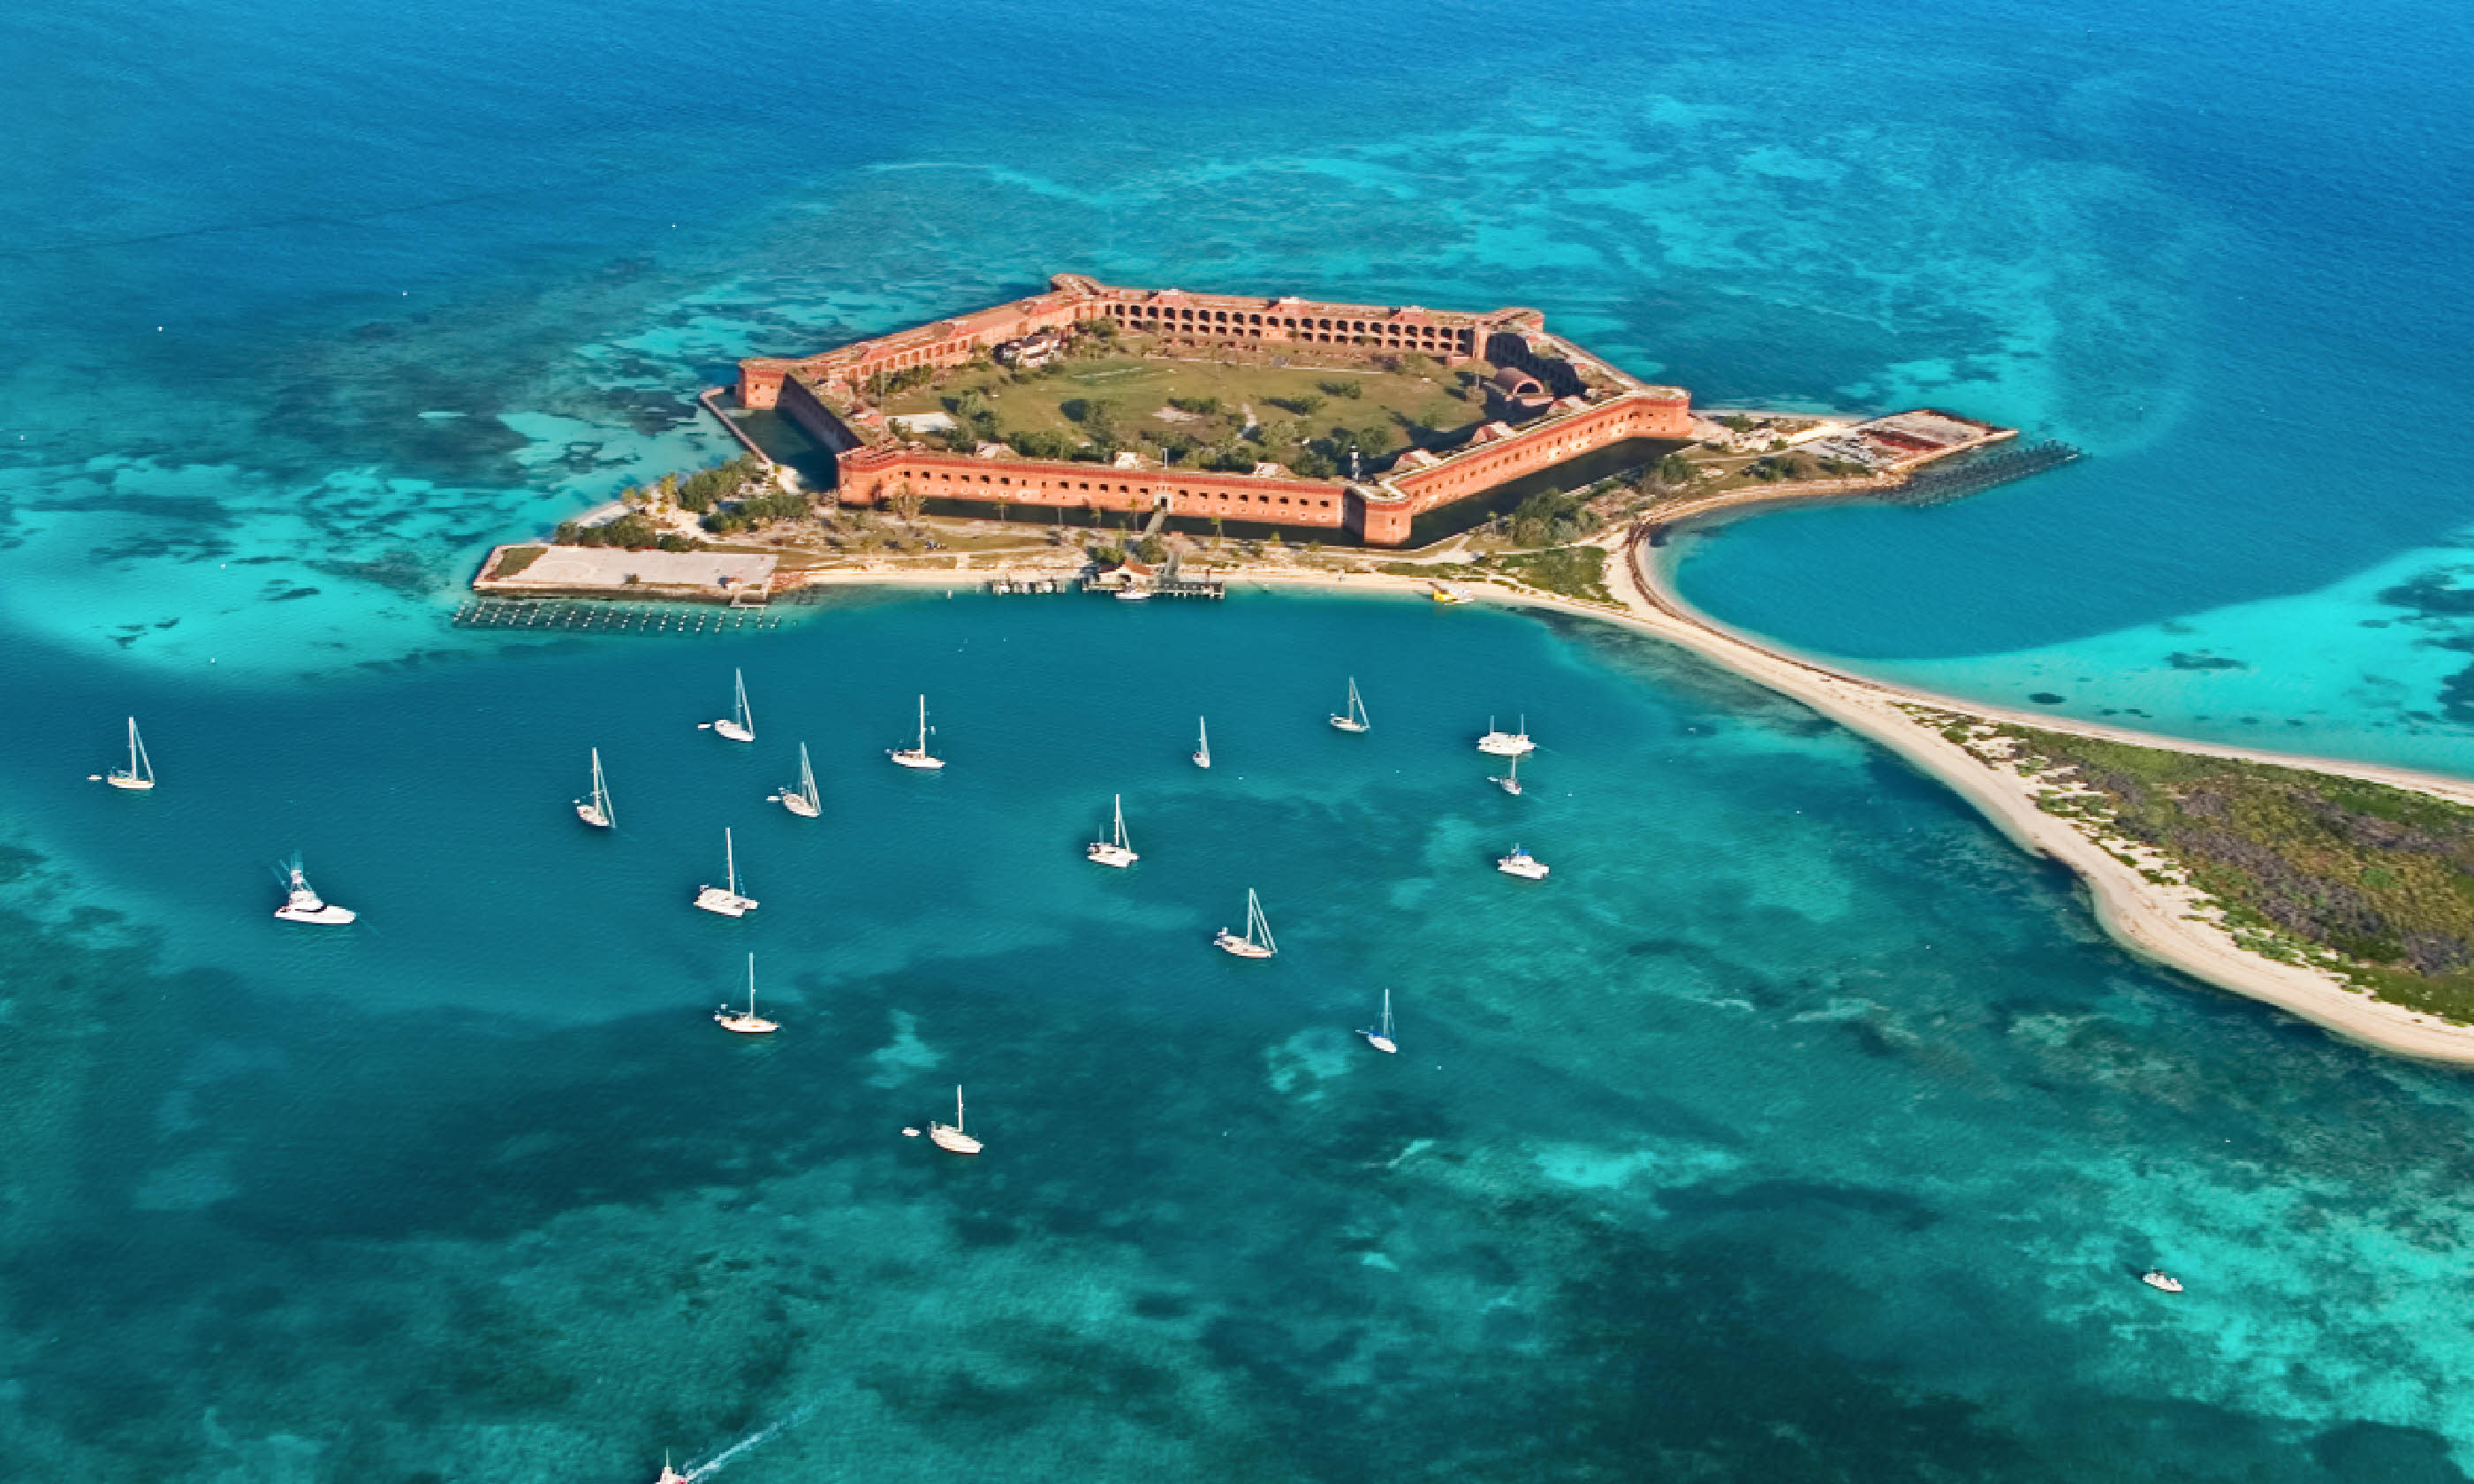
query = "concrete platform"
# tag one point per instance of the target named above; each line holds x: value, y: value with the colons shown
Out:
x: 604, y: 569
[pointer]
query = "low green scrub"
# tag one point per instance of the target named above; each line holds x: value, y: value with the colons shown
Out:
x: 1574, y: 571
x: 2382, y: 876
x: 515, y: 558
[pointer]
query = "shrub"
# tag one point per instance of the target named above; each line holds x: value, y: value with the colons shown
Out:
x: 1347, y: 388
x: 1304, y: 404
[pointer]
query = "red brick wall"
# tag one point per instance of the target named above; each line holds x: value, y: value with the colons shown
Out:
x: 873, y: 476
x: 1659, y: 413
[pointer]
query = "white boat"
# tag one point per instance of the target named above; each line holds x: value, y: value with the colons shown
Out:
x: 917, y: 756
x: 139, y: 774
x: 1131, y: 593
x: 302, y: 903
x: 1356, y: 720
x: 2158, y: 1278
x: 1257, y: 942
x: 1510, y: 782
x: 671, y: 1475
x: 749, y: 1023
x: 1117, y: 850
x: 596, y: 811
x: 1506, y: 744
x: 950, y: 1136
x: 1380, y: 1037
x: 1450, y: 592
x: 1521, y: 863
x: 1202, y: 742
x: 725, y: 900
x: 740, y: 726
x: 802, y: 799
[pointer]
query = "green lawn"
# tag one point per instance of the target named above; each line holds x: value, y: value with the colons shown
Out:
x: 1408, y: 409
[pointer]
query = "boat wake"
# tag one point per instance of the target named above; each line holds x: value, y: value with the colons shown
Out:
x: 754, y: 1441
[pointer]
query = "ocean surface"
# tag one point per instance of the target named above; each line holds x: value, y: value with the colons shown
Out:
x: 1796, y: 1128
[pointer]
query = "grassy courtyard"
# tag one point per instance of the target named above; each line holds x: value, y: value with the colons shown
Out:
x: 1200, y: 414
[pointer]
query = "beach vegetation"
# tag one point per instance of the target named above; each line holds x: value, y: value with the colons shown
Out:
x: 515, y: 558
x: 1573, y: 571
x: 1349, y: 388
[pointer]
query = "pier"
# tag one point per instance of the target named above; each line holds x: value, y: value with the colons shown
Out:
x: 601, y: 615
x: 705, y: 399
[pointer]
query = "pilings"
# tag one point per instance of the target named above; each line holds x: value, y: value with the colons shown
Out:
x: 570, y: 615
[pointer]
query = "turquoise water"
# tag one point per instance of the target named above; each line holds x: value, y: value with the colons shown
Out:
x: 1796, y: 1128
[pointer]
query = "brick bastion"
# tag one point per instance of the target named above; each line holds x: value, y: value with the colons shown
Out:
x: 1550, y: 401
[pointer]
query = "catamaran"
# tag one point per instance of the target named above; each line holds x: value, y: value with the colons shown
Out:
x: 1510, y: 782
x: 1202, y: 742
x: 917, y: 756
x: 302, y: 903
x: 1356, y: 719
x: 1521, y: 863
x: 725, y: 900
x: 1380, y: 1038
x: 950, y: 1136
x: 596, y: 811
x: 139, y: 774
x: 1506, y: 744
x: 1116, y: 850
x: 803, y: 800
x: 749, y: 1023
x: 740, y: 726
x: 1257, y: 942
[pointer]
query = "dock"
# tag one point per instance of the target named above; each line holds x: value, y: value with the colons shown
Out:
x: 603, y: 615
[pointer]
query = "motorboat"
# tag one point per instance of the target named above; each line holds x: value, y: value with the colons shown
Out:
x: 1521, y: 863
x: 301, y: 902
x: 2159, y: 1279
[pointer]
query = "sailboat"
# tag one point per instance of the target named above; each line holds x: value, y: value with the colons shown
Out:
x: 917, y: 756
x: 1510, y: 782
x: 950, y: 1136
x: 1521, y: 863
x: 139, y: 774
x: 725, y: 900
x: 1506, y: 744
x: 1356, y: 719
x: 1116, y: 850
x: 302, y: 903
x: 1202, y: 742
x: 596, y: 811
x: 1257, y: 942
x: 802, y: 800
x: 750, y: 1023
x: 740, y: 726
x: 1381, y: 1038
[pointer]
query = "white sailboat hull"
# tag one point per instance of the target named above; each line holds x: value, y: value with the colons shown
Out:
x: 1506, y: 744
x: 1229, y: 943
x: 913, y: 757
x: 133, y: 784
x: 743, y: 1025
x: 730, y: 730
x: 1202, y: 759
x: 1509, y: 786
x: 1349, y: 724
x: 946, y: 1137
x: 728, y: 903
x: 1378, y: 1041
x: 798, y: 804
x: 1107, y: 852
x: 591, y: 814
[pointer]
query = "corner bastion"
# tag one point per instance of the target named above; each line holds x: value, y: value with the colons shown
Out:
x: 1568, y: 403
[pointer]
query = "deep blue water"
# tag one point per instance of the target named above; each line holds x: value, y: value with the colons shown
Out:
x: 1797, y: 1128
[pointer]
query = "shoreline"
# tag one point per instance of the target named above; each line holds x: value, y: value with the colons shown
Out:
x: 2153, y: 922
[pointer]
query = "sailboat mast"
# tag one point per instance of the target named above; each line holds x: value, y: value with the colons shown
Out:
x: 958, y: 1108
x: 751, y: 988
x: 730, y: 860
x: 747, y: 712
x: 923, y: 723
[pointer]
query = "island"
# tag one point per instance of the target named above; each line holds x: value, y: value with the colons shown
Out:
x: 1156, y: 443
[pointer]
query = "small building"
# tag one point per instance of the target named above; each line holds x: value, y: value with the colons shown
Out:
x: 1032, y: 351
x: 1132, y: 572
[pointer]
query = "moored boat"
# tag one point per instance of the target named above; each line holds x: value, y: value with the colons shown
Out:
x: 726, y: 899
x: 301, y: 902
x: 1117, y: 850
x: 597, y: 811
x: 917, y: 756
x: 1506, y: 744
x: 1356, y: 720
x: 2159, y: 1279
x: 950, y: 1136
x: 1258, y: 939
x: 1380, y: 1037
x: 1521, y: 863
x: 139, y: 776
x: 747, y: 1023
x: 740, y: 726
x: 802, y: 798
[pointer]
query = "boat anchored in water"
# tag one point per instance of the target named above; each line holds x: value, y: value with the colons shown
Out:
x: 1202, y: 742
x: 1356, y: 720
x: 139, y: 776
x: 1257, y: 942
x: 1117, y: 850
x: 1506, y: 744
x: 1521, y: 863
x: 917, y: 756
x: 740, y: 726
x: 1510, y: 782
x: 1380, y: 1037
x: 2159, y: 1279
x: 725, y: 900
x: 748, y: 1023
x: 802, y: 799
x: 302, y: 903
x: 596, y: 811
x: 950, y: 1136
